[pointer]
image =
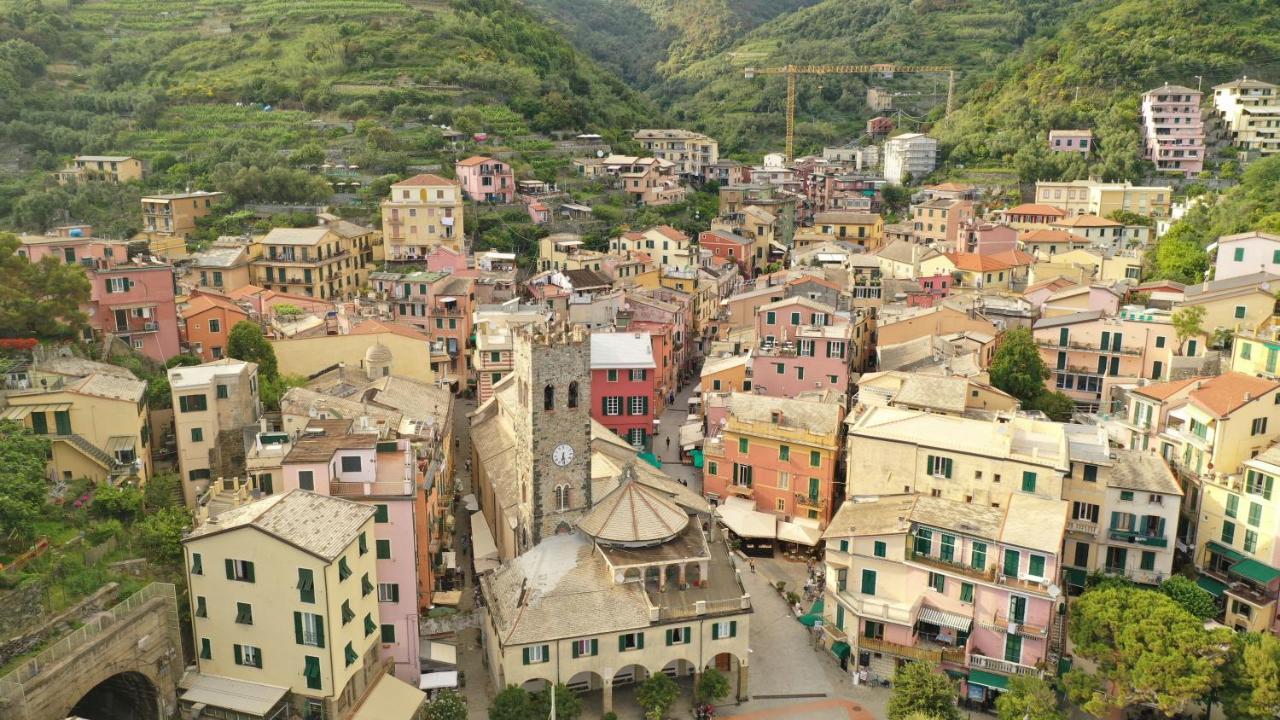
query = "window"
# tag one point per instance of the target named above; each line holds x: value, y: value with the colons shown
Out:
x: 363, y: 544
x: 1250, y: 541
x: 308, y: 629
x: 1011, y: 560
x: 1013, y: 648
x: 388, y: 592
x: 724, y: 629
x: 197, y: 564
x: 344, y: 570
x: 1091, y: 473
x: 248, y: 656
x: 1259, y: 484
x: 743, y: 474
x: 350, y: 655
x: 1147, y: 561
x: 350, y: 464
x: 815, y: 458
x: 679, y: 636
x: 639, y: 374
x: 244, y: 614
x: 572, y: 400
x: 612, y: 375
x: 770, y: 318
x: 784, y: 452
x: 630, y: 641
x: 1240, y: 311
x: 939, y: 466
x: 193, y: 403
x: 966, y: 593
x: 306, y: 586
x: 868, y: 582
x: 201, y: 609
x: 1160, y: 341
x: 549, y: 398
x: 1238, y: 255
x: 713, y: 468
x: 347, y: 614
x: 241, y: 570
x: 1084, y: 511
x: 206, y: 649
x: 1028, y: 481
x: 924, y: 541
x: 1259, y: 426
x: 743, y: 445
x: 197, y: 434
x: 585, y: 648
x: 879, y: 549
x: 380, y: 513
x: 947, y: 550
x: 222, y: 392
x: 613, y: 406
x: 1255, y: 514
x: 1228, y: 533
x: 1233, y: 505
x: 118, y: 285
x: 1126, y: 495
x: 873, y: 630
x: 1035, y: 566
x: 938, y: 582
x: 306, y: 480
x: 638, y: 405
x: 383, y: 549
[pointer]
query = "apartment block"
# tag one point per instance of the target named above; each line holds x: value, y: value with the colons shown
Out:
x: 207, y: 321
x: 623, y: 380
x: 1246, y: 254
x: 485, y: 179
x: 909, y: 156
x: 1172, y: 129
x: 169, y: 220
x: 1094, y: 197
x: 213, y: 403
x: 692, y: 153
x: 107, y: 168
x: 329, y: 261
x: 422, y: 212
x: 1250, y: 109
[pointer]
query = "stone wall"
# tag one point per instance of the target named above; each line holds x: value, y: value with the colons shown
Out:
x: 30, y: 604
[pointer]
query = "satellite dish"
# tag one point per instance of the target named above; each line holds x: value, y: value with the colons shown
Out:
x: 599, y: 153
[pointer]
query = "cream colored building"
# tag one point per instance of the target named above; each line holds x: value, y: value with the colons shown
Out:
x: 1236, y: 303
x: 110, y: 168
x: 422, y: 213
x: 168, y: 220
x: 410, y: 350
x: 932, y: 393
x: 1093, y: 197
x: 326, y: 261
x: 213, y: 403
x: 692, y: 153
x: 284, y: 608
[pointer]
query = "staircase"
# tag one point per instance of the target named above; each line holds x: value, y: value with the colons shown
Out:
x: 93, y: 452
x: 1057, y: 639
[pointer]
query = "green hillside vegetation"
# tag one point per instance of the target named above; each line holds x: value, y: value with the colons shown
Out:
x: 1090, y: 73
x: 747, y: 116
x: 185, y: 85
x: 645, y: 40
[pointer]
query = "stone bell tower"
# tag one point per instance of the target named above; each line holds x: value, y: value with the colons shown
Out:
x: 552, y: 367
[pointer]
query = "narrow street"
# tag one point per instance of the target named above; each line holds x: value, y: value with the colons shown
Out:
x: 666, y: 442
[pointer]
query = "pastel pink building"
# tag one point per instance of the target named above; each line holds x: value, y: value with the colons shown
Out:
x: 984, y: 238
x: 132, y: 301
x: 623, y: 378
x: 1173, y: 130
x: 933, y: 289
x: 484, y: 179
x: 966, y: 587
x: 333, y: 457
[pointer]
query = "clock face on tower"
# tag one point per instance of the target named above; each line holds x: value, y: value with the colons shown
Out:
x: 562, y: 455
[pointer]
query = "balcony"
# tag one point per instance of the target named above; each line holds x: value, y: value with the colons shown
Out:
x: 810, y: 501
x: 1000, y: 622
x: 364, y: 489
x: 1138, y: 538
x: 988, y: 574
x: 1086, y: 347
x: 873, y: 608
x: 1082, y: 526
x: 1004, y: 667
x: 927, y: 652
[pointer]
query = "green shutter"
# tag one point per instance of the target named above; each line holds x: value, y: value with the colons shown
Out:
x: 248, y: 571
x: 388, y: 632
x: 306, y: 586
x: 595, y: 647
x: 1036, y: 566
x: 320, y: 631
x: 573, y: 650
x: 880, y: 549
x: 524, y: 653
x: 366, y: 586
x: 364, y: 544
x: 978, y: 556
x: 1011, y: 563
x: 344, y: 570
x: 206, y: 649
x: 380, y: 513
x: 733, y: 628
x: 1028, y: 481
x: 622, y: 643
x: 639, y: 641
x: 239, y: 655
x: 669, y: 640
x: 297, y: 628
x: 868, y: 582
x: 197, y: 566
x: 715, y: 631
x: 231, y: 569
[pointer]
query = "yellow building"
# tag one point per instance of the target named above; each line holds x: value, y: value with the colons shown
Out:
x: 325, y: 261
x: 725, y: 375
x: 664, y: 244
x: 1256, y: 349
x: 1093, y: 197
x: 410, y: 351
x: 1244, y: 301
x: 97, y: 423
x: 284, y: 600
x: 422, y: 213
x: 564, y: 251
x: 213, y: 403
x: 110, y: 168
x: 864, y: 228
x: 168, y: 220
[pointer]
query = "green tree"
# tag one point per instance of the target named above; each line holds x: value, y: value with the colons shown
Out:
x: 568, y: 706
x: 1193, y: 598
x: 123, y: 502
x: 1017, y: 367
x: 1188, y: 322
x: 22, y: 484
x: 160, y: 534
x: 713, y: 686
x: 513, y: 703
x: 447, y: 705
x: 163, y: 490
x: 1056, y: 405
x: 657, y: 694
x: 1147, y: 650
x: 918, y: 688
x: 1251, y: 690
x: 246, y: 342
x: 1028, y: 698
x: 40, y: 299
x: 271, y: 391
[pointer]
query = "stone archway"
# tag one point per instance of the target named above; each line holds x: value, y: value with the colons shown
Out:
x: 734, y: 670
x: 588, y: 685
x: 128, y: 694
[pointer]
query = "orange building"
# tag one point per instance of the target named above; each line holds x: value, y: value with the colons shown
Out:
x: 208, y: 320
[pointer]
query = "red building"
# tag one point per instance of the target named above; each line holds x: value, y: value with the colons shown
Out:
x: 729, y: 246
x: 623, y: 378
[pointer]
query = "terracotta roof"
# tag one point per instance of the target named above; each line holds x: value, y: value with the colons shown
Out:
x: 474, y: 160
x: 1052, y: 284
x: 426, y: 179
x: 1166, y: 390
x: 202, y: 303
x: 1034, y: 209
x: 634, y: 513
x: 976, y: 263
x: 1224, y: 394
x: 1088, y: 221
x: 375, y: 327
x: 949, y: 187
x: 1052, y: 236
x: 846, y: 217
x: 671, y: 232
x: 1014, y: 258
x: 1167, y: 88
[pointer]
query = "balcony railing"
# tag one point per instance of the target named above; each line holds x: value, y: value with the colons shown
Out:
x: 361, y: 489
x: 810, y: 501
x: 1138, y: 537
x: 1087, y: 347
x: 913, y: 652
x: 982, y: 662
x: 877, y: 609
x: 987, y: 574
x: 1000, y: 622
x: 1082, y: 526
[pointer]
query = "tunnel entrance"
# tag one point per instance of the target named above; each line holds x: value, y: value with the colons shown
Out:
x: 123, y: 696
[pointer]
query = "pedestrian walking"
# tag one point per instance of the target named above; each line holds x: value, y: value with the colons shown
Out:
x: 668, y: 442
x: 752, y: 563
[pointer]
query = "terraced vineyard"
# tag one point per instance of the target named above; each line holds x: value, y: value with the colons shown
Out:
x: 153, y: 15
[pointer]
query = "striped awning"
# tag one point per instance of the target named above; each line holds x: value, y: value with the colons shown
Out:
x: 116, y: 443
x: 942, y: 618
x: 18, y: 412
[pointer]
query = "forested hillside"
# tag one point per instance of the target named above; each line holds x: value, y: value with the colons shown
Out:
x: 646, y: 40
x: 186, y: 85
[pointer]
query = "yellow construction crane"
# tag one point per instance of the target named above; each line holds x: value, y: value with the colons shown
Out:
x: 791, y: 71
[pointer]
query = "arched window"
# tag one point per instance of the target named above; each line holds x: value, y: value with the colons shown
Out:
x: 549, y: 397
x: 562, y: 497
x: 573, y: 394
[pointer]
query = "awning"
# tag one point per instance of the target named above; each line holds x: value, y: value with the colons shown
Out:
x: 690, y: 435
x: 391, y: 699
x: 942, y: 618
x: 986, y: 679
x: 651, y: 459
x: 437, y: 680
x: 484, y: 549
x: 1226, y: 552
x: 740, y: 516
x: 1076, y: 577
x: 470, y: 503
x: 840, y: 649
x: 18, y: 412
x: 239, y: 696
x: 1213, y: 586
x: 1256, y: 571
x: 450, y: 559
x: 446, y: 597
x: 440, y: 652
x: 814, y: 615
x: 116, y: 443
x: 795, y: 532
x: 697, y: 458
